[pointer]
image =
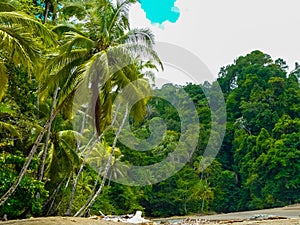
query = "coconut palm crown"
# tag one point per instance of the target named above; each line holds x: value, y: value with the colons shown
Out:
x: 101, y: 49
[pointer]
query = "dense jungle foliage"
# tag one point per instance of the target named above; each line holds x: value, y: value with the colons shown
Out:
x: 49, y: 48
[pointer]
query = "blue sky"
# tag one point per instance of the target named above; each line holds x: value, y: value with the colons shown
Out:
x: 159, y: 11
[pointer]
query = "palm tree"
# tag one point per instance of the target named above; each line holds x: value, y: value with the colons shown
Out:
x: 16, y: 183
x: 20, y: 38
x: 93, y: 48
x: 105, y: 43
x: 62, y: 157
x: 84, y: 161
x: 107, y: 167
x: 45, y: 150
x: 202, y: 191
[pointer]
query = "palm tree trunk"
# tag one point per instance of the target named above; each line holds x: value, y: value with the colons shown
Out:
x: 75, y: 183
x: 88, y: 204
x: 76, y: 178
x: 12, y: 189
x: 47, y: 9
x: 52, y: 197
x: 87, y: 145
x: 68, y: 180
x: 202, y: 205
x: 81, y: 130
x: 95, y: 186
x: 48, y: 136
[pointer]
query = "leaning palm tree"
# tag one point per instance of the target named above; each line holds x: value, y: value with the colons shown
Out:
x: 64, y: 103
x: 22, y: 41
x: 106, y: 168
x: 106, y: 54
x: 62, y: 157
x: 104, y: 43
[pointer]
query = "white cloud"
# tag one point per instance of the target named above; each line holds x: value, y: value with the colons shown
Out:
x: 218, y: 31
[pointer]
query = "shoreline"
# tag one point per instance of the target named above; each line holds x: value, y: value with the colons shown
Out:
x: 93, y: 221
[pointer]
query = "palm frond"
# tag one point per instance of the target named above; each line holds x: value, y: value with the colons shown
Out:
x: 122, y: 11
x: 66, y: 95
x: 61, y: 157
x: 64, y: 28
x: 77, y: 41
x: 74, y: 9
x: 60, y: 69
x: 6, y: 7
x: 120, y: 15
x: 69, y: 135
x: 30, y: 25
x: 143, y: 52
x: 60, y: 60
x: 11, y: 129
x: 18, y: 45
x: 139, y: 36
x: 53, y: 164
x: 98, y: 65
x: 137, y: 94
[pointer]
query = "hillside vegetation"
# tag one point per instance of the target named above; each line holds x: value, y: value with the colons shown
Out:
x: 47, y: 167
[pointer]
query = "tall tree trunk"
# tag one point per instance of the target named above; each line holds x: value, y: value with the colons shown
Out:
x: 68, y: 211
x: 75, y: 183
x: 47, y: 9
x: 87, y: 145
x: 88, y: 204
x: 76, y: 178
x: 48, y: 136
x: 95, y: 185
x: 202, y: 205
x: 12, y: 189
x: 81, y: 130
x: 55, y: 7
x: 95, y: 104
x: 52, y: 197
x: 98, y: 115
